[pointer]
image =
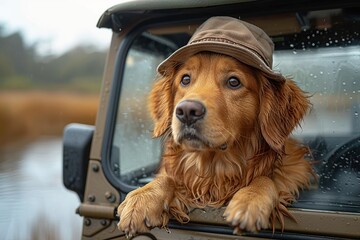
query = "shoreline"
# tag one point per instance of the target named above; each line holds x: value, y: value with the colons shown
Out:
x: 25, y: 115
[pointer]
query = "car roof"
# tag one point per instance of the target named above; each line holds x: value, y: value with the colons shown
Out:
x: 130, y: 9
x: 129, y: 12
x: 135, y: 5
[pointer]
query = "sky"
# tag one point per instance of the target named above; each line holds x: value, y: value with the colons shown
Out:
x: 56, y: 26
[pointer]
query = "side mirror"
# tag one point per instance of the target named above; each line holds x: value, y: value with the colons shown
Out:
x: 76, y: 153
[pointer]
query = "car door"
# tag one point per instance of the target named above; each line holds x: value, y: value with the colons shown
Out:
x: 318, y: 45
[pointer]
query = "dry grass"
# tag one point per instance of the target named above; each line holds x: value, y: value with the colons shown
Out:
x: 25, y: 115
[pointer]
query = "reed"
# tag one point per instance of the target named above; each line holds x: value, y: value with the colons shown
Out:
x: 25, y: 115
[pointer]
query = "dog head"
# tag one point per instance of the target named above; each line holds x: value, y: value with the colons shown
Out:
x: 213, y: 101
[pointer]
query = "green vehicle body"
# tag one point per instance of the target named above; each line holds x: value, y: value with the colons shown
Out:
x: 101, y: 162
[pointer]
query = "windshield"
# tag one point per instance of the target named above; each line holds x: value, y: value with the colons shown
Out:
x: 319, y: 50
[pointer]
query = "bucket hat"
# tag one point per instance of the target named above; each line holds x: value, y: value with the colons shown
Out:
x: 230, y: 36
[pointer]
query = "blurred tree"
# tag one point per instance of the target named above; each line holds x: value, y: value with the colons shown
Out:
x: 82, y: 62
x: 18, y: 56
x: 79, y: 69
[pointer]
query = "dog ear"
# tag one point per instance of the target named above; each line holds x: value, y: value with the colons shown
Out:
x: 161, y: 104
x: 282, y: 106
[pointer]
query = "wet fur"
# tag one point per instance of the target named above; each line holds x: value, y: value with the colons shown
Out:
x: 258, y: 174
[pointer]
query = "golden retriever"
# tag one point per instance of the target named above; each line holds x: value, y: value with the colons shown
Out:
x: 225, y: 128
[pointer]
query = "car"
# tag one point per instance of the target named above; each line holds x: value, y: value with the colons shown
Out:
x: 317, y: 44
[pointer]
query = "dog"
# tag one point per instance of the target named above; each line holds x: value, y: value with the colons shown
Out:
x: 225, y: 120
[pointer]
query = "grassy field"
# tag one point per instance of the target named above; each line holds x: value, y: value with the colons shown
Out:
x: 26, y: 115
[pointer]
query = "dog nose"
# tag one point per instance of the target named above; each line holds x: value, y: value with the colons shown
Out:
x: 189, y: 111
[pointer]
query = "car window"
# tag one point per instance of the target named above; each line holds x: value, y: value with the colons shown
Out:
x: 319, y: 50
x: 135, y: 154
x: 331, y: 129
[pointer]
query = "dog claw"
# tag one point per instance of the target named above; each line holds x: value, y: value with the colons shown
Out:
x: 237, y: 231
x: 236, y: 218
x: 166, y: 207
x: 147, y: 223
x: 167, y: 229
x: 243, y: 225
x: 129, y: 234
x: 258, y: 226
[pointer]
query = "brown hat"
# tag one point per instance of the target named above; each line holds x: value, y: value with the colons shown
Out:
x: 230, y: 36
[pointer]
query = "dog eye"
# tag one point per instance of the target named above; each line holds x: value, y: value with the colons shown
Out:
x: 185, y: 80
x: 233, y: 83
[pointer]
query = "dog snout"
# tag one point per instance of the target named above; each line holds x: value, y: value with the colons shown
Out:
x: 190, y: 111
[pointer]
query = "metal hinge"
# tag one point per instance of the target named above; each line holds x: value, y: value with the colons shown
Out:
x: 96, y: 211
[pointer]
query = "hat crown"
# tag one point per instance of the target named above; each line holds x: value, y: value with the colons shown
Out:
x: 232, y: 37
x: 234, y: 31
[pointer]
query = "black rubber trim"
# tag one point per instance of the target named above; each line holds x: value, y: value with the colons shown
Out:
x: 227, y: 230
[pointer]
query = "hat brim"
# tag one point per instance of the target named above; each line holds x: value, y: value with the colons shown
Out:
x: 238, y: 52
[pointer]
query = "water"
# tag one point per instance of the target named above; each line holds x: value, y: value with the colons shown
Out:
x: 34, y: 204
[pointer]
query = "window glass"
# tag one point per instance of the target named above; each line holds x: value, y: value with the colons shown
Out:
x: 321, y: 53
x: 326, y: 64
x: 135, y: 155
x: 331, y: 76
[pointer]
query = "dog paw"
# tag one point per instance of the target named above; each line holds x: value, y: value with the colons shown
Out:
x: 249, y: 211
x: 142, y: 211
